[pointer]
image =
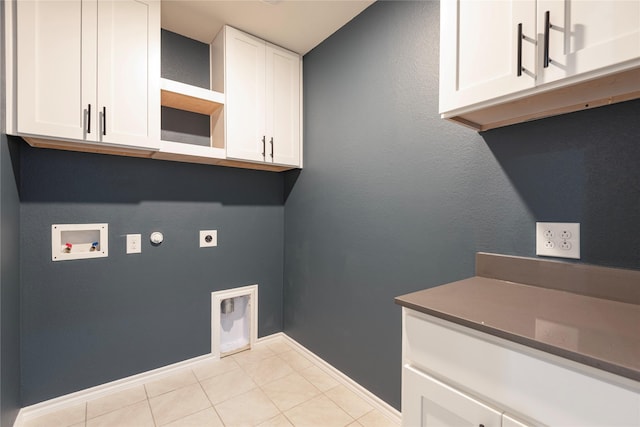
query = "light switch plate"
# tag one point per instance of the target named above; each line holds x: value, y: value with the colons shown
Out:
x: 558, y: 239
x: 134, y: 243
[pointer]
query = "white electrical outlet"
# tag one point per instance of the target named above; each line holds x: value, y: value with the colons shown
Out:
x: 558, y: 239
x: 134, y: 243
x: 208, y: 238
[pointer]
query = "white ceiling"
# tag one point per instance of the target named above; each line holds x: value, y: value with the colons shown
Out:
x: 297, y: 25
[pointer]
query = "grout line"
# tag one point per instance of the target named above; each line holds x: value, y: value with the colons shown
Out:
x: 153, y: 417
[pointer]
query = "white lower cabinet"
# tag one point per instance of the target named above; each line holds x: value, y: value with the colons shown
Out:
x: 456, y: 376
x: 427, y: 402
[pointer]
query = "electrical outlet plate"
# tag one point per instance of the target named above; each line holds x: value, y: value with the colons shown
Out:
x: 208, y: 238
x: 134, y: 243
x: 558, y: 239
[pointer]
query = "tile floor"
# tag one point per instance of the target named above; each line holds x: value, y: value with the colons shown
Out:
x: 271, y: 385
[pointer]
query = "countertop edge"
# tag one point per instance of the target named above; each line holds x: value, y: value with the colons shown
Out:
x: 613, y: 368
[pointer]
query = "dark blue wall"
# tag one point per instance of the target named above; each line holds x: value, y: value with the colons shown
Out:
x: 87, y: 322
x: 9, y: 283
x: 9, y: 264
x: 393, y: 199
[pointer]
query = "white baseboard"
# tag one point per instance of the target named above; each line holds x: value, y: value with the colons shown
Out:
x: 78, y: 397
x: 72, y: 399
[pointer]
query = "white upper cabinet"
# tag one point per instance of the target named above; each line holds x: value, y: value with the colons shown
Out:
x: 283, y: 106
x: 263, y: 108
x: 245, y: 93
x: 89, y: 71
x: 586, y: 35
x: 504, y: 62
x: 479, y: 48
x: 54, y: 90
x: 129, y: 72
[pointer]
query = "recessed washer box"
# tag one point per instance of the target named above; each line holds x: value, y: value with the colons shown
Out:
x: 79, y: 241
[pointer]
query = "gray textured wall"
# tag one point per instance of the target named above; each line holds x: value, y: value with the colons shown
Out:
x: 9, y: 263
x: 87, y: 322
x: 184, y: 60
x: 393, y: 199
x: 9, y: 282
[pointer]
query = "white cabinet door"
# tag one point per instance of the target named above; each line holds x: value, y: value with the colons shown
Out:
x: 586, y: 35
x: 283, y: 106
x: 245, y: 96
x: 83, y: 61
x: 128, y: 73
x: 427, y: 402
x: 479, y: 48
x: 262, y: 107
x: 56, y: 82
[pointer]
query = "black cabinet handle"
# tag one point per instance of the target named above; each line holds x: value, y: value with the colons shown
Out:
x: 271, y: 142
x: 264, y: 147
x: 519, y: 72
x: 89, y: 118
x: 547, y: 28
x: 104, y: 120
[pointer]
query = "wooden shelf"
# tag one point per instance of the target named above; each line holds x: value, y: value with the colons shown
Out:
x: 185, y: 97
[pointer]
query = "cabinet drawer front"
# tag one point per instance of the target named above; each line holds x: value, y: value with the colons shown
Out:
x: 427, y: 402
x: 519, y: 379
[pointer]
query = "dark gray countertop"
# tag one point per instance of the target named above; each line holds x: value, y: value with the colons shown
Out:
x: 599, y: 332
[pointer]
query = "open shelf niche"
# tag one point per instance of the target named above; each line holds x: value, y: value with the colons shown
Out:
x: 194, y: 99
x: 187, y: 60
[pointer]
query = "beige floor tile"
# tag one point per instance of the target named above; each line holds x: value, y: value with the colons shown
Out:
x: 248, y: 409
x: 256, y: 354
x: 290, y: 391
x: 63, y: 418
x: 279, y: 346
x: 211, y: 368
x: 355, y: 424
x: 207, y: 418
x: 82, y: 424
x: 278, y: 421
x: 226, y: 386
x: 115, y: 401
x: 349, y: 401
x: 136, y: 415
x: 319, y: 378
x: 296, y: 360
x: 318, y: 412
x: 267, y: 370
x: 376, y: 419
x: 179, y: 403
x: 170, y: 383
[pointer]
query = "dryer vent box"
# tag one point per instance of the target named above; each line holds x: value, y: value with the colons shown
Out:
x: 79, y: 241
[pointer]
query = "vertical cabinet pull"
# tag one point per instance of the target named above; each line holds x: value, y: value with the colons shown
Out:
x: 104, y: 120
x: 271, y: 142
x: 89, y: 118
x: 547, y: 28
x: 519, y: 72
x: 264, y: 149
